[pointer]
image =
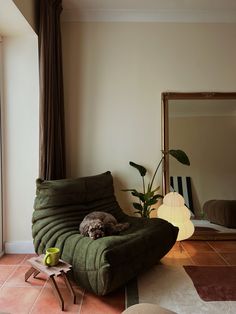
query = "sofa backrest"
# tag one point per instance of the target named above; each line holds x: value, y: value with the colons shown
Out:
x: 61, y: 205
x: 84, y: 194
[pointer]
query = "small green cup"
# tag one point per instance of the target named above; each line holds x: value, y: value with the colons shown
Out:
x: 52, y: 256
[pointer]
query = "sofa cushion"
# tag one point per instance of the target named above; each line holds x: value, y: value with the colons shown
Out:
x: 105, y: 264
x: 221, y: 212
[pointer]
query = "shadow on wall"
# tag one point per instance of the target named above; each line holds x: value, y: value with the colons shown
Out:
x: 123, y: 198
x: 196, y: 203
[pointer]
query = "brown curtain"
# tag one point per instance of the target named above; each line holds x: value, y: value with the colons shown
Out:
x: 52, y: 126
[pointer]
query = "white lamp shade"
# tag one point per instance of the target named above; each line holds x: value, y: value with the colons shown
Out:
x: 173, y: 199
x: 185, y: 230
x: 174, y: 211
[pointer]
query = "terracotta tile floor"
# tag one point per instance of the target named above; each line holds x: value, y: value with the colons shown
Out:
x: 202, y: 253
x: 36, y: 295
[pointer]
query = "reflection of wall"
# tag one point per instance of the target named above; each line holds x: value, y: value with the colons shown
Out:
x: 209, y: 143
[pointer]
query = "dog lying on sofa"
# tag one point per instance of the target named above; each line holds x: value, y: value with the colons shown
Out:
x: 100, y: 224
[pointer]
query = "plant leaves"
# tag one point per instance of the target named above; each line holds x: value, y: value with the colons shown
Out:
x: 149, y: 188
x: 140, y: 168
x: 180, y: 155
x: 158, y: 196
x: 152, y: 201
x: 138, y: 206
x: 141, y: 196
x: 128, y: 190
x: 156, y: 189
x: 148, y: 195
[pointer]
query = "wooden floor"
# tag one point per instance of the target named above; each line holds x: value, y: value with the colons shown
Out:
x: 36, y: 295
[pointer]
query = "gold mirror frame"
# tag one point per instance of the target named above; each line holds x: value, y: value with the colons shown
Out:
x: 166, y: 96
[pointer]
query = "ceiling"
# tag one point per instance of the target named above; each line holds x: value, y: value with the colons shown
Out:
x: 151, y: 10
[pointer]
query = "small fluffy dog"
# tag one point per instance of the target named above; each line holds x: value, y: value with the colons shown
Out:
x: 100, y: 224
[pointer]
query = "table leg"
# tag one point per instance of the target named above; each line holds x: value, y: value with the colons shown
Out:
x: 57, y: 292
x: 69, y: 286
x: 36, y: 273
x: 29, y: 273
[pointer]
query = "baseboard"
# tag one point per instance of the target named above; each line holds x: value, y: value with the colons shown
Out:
x: 18, y: 247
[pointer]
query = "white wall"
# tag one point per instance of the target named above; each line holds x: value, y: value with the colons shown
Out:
x: 114, y: 75
x: 20, y: 115
x: 20, y: 138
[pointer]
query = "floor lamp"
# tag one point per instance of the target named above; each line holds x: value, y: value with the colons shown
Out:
x: 174, y: 211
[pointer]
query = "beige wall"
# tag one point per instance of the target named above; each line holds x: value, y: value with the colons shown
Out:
x: 114, y: 75
x: 19, y: 112
x: 20, y: 135
x: 209, y: 143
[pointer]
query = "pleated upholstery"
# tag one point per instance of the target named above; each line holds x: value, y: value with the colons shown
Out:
x: 101, y: 265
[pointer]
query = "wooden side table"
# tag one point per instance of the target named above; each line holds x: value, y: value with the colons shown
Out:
x: 62, y: 268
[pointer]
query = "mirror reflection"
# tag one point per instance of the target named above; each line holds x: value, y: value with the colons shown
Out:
x: 204, y: 126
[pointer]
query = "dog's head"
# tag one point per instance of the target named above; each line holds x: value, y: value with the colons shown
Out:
x: 96, y: 229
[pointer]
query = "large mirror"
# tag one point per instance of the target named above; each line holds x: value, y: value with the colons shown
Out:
x: 204, y: 126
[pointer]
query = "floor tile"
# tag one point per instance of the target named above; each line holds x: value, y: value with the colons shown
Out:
x: 5, y: 272
x: 17, y: 300
x: 12, y: 259
x: 197, y: 246
x: 113, y: 303
x: 177, y: 246
x: 224, y: 246
x: 17, y: 279
x: 47, y: 303
x: 230, y: 258
x: 37, y: 297
x: 28, y: 256
x: 207, y: 258
x: 177, y: 258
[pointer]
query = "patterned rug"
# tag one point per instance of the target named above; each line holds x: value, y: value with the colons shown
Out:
x: 171, y: 287
x: 214, y: 283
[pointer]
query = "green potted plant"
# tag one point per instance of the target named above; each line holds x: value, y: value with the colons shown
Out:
x: 149, y: 196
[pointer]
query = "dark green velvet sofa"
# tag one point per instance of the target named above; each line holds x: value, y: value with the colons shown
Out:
x: 101, y: 265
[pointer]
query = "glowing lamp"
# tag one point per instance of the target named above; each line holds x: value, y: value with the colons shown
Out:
x: 174, y: 211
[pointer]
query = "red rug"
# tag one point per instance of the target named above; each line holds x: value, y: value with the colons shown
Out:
x: 214, y: 283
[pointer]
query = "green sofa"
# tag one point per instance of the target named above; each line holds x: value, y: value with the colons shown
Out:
x: 101, y: 265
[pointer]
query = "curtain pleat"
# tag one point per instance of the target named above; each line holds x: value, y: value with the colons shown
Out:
x: 52, y: 126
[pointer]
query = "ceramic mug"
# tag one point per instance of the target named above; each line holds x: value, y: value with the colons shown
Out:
x: 52, y: 256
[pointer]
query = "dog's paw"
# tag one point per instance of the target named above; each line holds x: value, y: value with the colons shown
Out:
x: 122, y: 226
x: 126, y: 225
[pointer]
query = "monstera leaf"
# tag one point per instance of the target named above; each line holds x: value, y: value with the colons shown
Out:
x: 180, y: 156
x: 140, y: 168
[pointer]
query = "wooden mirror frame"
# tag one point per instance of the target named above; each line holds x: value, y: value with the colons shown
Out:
x: 165, y: 97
